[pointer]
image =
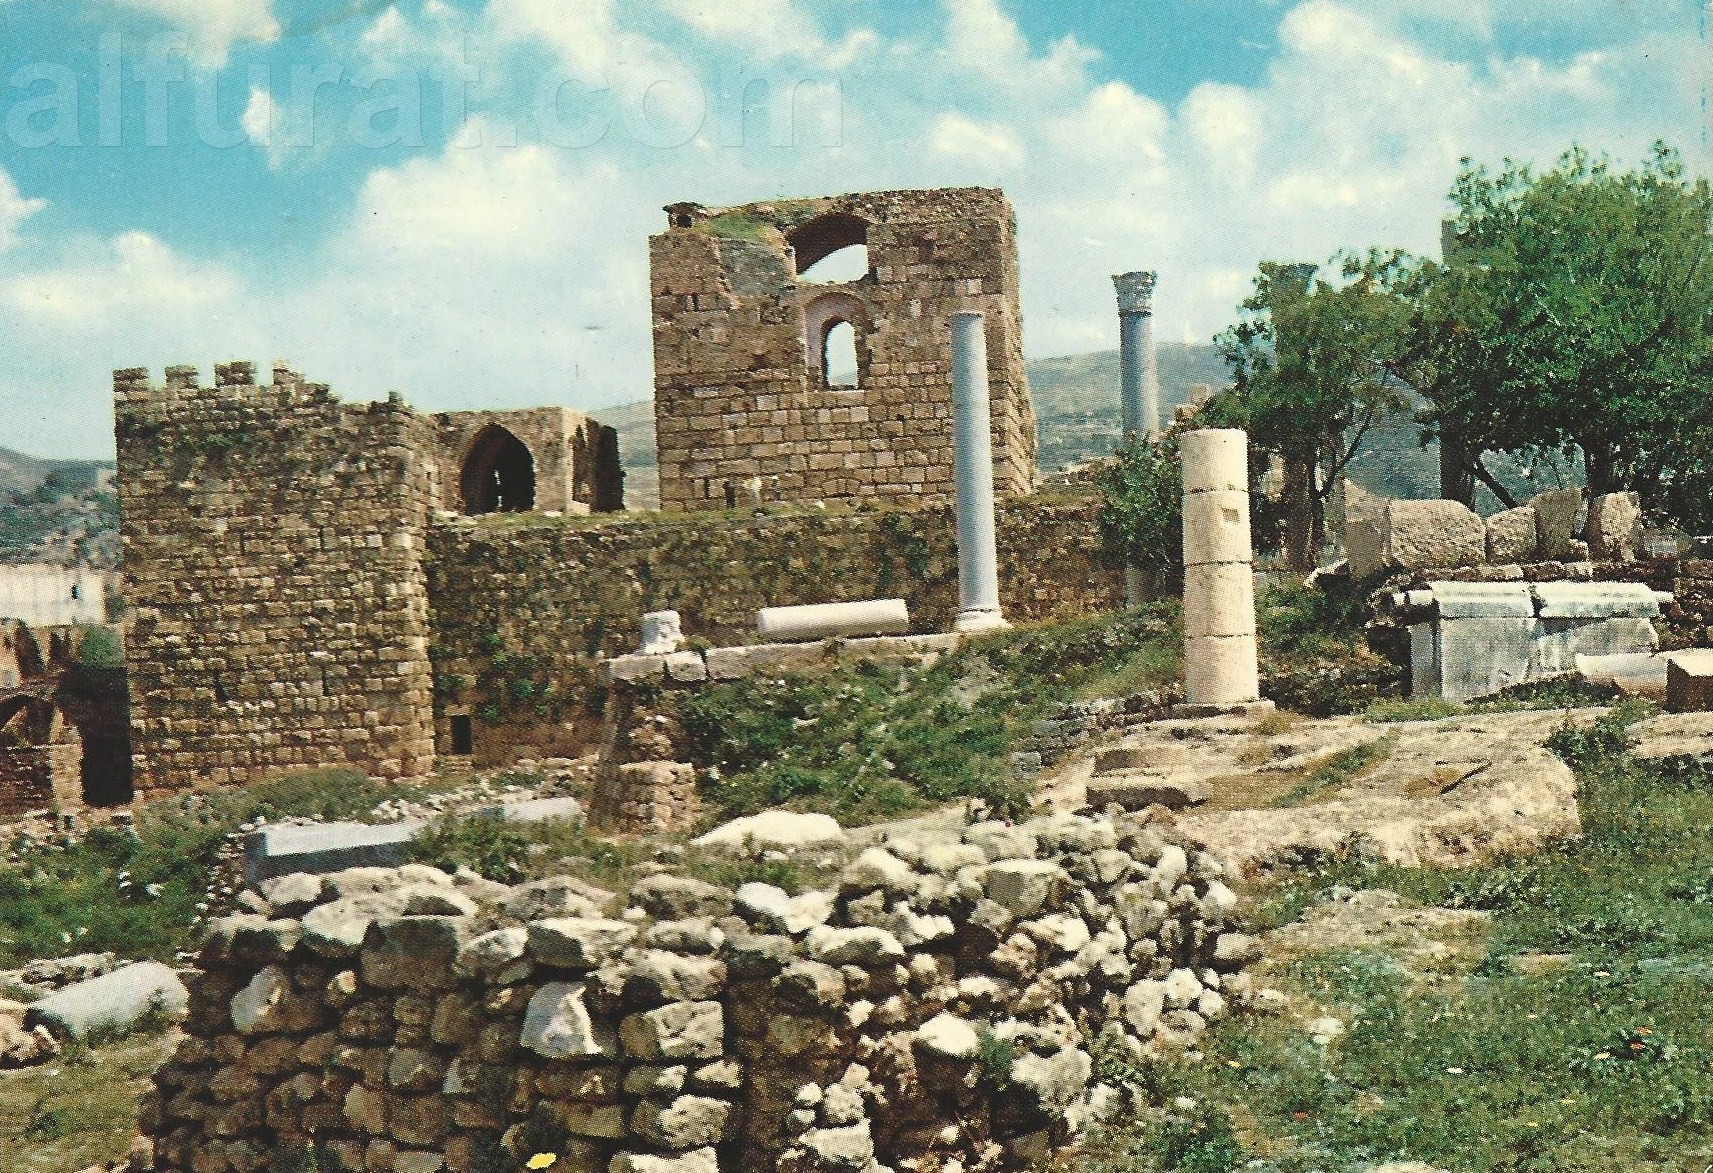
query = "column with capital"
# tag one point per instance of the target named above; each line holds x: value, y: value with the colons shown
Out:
x: 1138, y: 371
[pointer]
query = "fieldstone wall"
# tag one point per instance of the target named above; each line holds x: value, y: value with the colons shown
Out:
x: 526, y: 608
x: 744, y: 412
x: 933, y: 1009
x: 273, y: 551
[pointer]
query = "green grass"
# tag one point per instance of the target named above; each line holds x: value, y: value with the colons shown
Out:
x: 866, y: 742
x: 78, y: 1110
x: 1603, y: 1064
x: 1341, y: 768
x: 137, y: 894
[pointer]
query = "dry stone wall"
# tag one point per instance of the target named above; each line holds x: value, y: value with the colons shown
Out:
x: 273, y: 552
x: 935, y: 1008
x: 743, y: 410
x: 525, y: 608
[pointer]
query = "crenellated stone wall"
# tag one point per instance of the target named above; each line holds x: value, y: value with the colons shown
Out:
x: 745, y: 412
x: 931, y: 1007
x: 273, y: 552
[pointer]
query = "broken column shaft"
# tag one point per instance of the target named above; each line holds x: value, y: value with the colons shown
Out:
x: 972, y: 460
x: 1220, y: 661
x: 1138, y: 372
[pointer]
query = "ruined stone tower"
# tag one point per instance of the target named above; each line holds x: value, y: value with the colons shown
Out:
x: 275, y: 554
x: 745, y: 407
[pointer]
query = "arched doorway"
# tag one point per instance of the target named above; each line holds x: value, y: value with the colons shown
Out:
x: 499, y: 474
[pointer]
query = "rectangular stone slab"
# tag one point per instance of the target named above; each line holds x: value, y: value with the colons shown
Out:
x: 1483, y: 600
x: 1477, y: 657
x: 325, y: 847
x: 1559, y: 642
x: 1596, y: 600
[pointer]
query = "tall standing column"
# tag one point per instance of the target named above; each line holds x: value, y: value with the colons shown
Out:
x: 972, y: 461
x: 1138, y: 369
x: 1220, y: 660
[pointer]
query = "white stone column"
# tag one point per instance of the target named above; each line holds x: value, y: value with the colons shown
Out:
x: 1221, y: 668
x: 972, y: 461
x: 1138, y: 369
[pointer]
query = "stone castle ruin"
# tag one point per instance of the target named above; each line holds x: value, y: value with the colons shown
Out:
x: 746, y: 407
x: 274, y: 546
x: 309, y: 588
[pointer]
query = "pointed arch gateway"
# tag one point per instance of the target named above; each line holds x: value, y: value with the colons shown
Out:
x: 499, y: 474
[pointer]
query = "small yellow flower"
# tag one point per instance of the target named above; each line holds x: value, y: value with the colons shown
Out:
x: 541, y: 1161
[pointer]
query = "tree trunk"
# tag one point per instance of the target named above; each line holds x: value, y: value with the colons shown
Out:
x: 1601, y: 465
x: 1299, y: 504
x: 1456, y: 481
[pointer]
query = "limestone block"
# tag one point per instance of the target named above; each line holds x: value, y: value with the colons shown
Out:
x: 1614, y: 526
x: 325, y: 847
x: 662, y: 633
x: 777, y: 829
x: 1139, y: 791
x: 1559, y: 644
x: 1512, y: 536
x: 1219, y: 599
x: 114, y: 1001
x: 624, y: 669
x: 1364, y: 547
x: 557, y: 1025
x: 824, y: 620
x: 1221, y: 670
x: 1689, y: 681
x: 1477, y: 657
x: 1595, y: 600
x: 1215, y: 460
x: 1555, y: 521
x: 1216, y: 528
x: 1420, y: 534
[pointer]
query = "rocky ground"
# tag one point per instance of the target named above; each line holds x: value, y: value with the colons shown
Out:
x: 1266, y: 795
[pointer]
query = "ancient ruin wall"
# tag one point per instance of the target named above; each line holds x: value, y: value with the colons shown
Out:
x: 523, y: 608
x: 574, y: 460
x: 744, y: 411
x: 931, y: 1008
x: 273, y: 551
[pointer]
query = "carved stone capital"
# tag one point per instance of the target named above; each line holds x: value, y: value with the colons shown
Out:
x: 1135, y: 292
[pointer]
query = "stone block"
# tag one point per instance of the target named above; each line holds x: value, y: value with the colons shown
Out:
x: 1595, y: 600
x: 325, y: 847
x: 1561, y: 643
x: 1513, y: 535
x: 1613, y: 527
x: 1420, y: 534
x: 1555, y: 522
x: 1689, y: 681
x: 1139, y: 791
x: 114, y: 1002
x: 1478, y: 657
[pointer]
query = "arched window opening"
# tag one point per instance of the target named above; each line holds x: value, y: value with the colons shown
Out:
x: 499, y: 474
x: 839, y: 356
x: 847, y: 264
x: 820, y: 238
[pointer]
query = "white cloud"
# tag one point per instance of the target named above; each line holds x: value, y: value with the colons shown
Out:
x: 261, y: 123
x: 14, y: 210
x: 769, y: 28
x: 982, y: 39
x: 214, y: 25
x: 985, y: 144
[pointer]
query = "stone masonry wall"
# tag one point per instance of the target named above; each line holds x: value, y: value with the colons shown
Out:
x: 743, y: 410
x: 932, y: 1008
x: 533, y: 603
x: 273, y: 551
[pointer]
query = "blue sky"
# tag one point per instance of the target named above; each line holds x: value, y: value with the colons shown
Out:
x: 451, y: 198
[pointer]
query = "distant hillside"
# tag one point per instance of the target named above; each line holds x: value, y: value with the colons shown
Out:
x: 57, y: 511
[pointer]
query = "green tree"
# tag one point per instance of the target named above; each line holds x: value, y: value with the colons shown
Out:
x: 1572, y: 316
x: 1141, y: 518
x: 1312, y: 364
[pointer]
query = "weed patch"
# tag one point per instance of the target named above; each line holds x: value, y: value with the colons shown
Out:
x: 1598, y: 1063
x: 867, y: 742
